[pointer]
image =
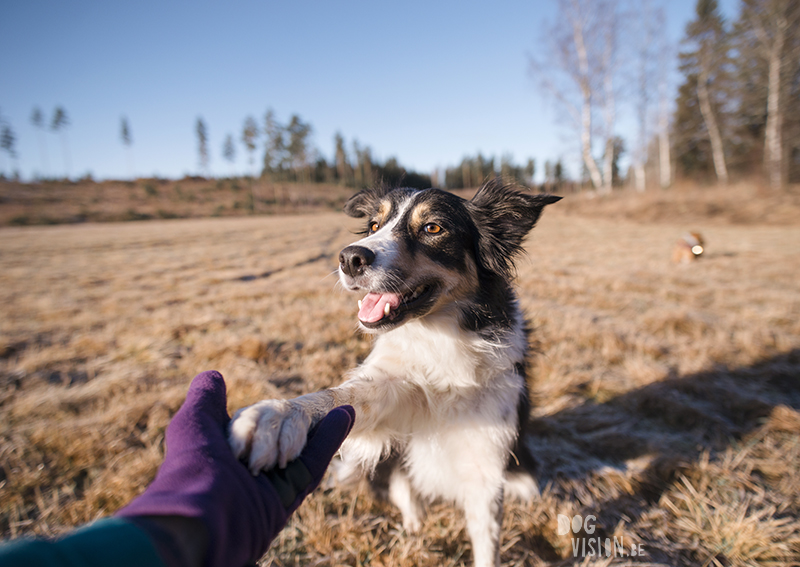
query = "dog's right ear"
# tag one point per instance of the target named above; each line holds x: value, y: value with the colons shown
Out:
x: 365, y: 201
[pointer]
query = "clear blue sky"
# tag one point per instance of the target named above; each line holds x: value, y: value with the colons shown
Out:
x: 427, y: 82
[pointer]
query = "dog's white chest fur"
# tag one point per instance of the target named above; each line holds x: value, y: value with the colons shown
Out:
x: 465, y: 393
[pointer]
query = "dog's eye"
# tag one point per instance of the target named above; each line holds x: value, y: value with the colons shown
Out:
x: 373, y: 227
x: 432, y: 228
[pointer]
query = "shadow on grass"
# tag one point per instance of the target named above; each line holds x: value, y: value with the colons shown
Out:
x: 675, y: 422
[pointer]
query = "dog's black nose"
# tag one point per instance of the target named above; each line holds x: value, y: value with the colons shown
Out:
x: 354, y: 259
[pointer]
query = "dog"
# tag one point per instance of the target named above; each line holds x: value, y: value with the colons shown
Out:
x: 443, y: 395
x: 689, y: 248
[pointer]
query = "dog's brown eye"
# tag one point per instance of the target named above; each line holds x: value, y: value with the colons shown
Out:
x: 432, y: 228
x: 373, y: 227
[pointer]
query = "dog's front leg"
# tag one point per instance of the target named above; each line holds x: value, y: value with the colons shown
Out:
x: 484, y: 515
x: 274, y: 432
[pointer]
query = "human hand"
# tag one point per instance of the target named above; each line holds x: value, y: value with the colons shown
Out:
x: 201, y: 479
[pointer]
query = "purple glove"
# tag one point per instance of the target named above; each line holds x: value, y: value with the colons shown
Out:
x: 201, y: 480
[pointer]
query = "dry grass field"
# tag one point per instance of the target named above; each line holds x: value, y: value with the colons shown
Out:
x: 60, y: 202
x: 667, y: 397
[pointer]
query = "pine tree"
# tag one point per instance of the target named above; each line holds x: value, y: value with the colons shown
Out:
x: 202, y: 144
x: 37, y: 119
x: 249, y: 137
x: 127, y: 140
x: 358, y: 172
x: 229, y: 150
x: 704, y: 93
x: 298, y: 147
x: 530, y: 171
x: 340, y: 158
x: 8, y: 143
x: 274, y: 146
x: 60, y: 123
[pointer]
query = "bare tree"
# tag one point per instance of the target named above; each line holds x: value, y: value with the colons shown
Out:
x: 578, y: 69
x: 647, y: 20
x: 608, y: 68
x: 665, y: 59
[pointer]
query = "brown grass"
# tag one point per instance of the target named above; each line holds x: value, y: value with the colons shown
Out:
x: 740, y: 203
x: 59, y: 202
x: 667, y: 397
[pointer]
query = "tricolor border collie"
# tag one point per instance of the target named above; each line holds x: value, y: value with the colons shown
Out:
x: 442, y: 397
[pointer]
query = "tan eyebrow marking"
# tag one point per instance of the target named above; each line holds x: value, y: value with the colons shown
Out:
x: 418, y: 215
x: 384, y: 210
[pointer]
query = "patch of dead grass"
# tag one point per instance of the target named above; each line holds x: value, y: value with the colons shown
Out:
x: 666, y: 397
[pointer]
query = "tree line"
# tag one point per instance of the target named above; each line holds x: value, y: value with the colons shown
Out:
x: 736, y: 112
x: 737, y: 109
x: 284, y: 151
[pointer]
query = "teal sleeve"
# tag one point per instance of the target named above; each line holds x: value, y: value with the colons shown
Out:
x: 111, y: 541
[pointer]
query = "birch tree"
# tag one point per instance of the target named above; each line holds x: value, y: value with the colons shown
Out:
x: 608, y: 69
x: 577, y: 68
x: 665, y: 62
x: 647, y: 21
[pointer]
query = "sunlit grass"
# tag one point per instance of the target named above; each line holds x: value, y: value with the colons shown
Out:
x: 666, y: 397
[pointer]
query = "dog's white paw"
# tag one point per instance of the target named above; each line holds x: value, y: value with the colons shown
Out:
x: 269, y: 433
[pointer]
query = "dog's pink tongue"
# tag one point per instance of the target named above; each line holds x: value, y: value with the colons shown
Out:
x: 373, y: 306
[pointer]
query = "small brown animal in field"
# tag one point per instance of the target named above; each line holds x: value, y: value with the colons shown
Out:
x: 688, y: 249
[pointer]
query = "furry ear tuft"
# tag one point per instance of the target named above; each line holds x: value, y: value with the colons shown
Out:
x: 504, y: 215
x: 365, y: 201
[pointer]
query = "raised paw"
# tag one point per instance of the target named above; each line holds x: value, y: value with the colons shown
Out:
x: 269, y: 433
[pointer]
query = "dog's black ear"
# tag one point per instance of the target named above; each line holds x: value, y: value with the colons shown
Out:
x: 504, y: 215
x: 365, y: 201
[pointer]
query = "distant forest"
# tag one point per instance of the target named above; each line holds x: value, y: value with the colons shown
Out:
x: 736, y: 112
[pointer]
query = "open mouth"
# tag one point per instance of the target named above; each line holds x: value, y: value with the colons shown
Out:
x: 381, y: 308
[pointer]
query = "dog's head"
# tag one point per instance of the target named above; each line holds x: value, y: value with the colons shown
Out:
x: 425, y: 250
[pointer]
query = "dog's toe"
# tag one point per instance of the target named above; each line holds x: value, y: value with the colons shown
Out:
x: 240, y: 431
x: 293, y: 435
